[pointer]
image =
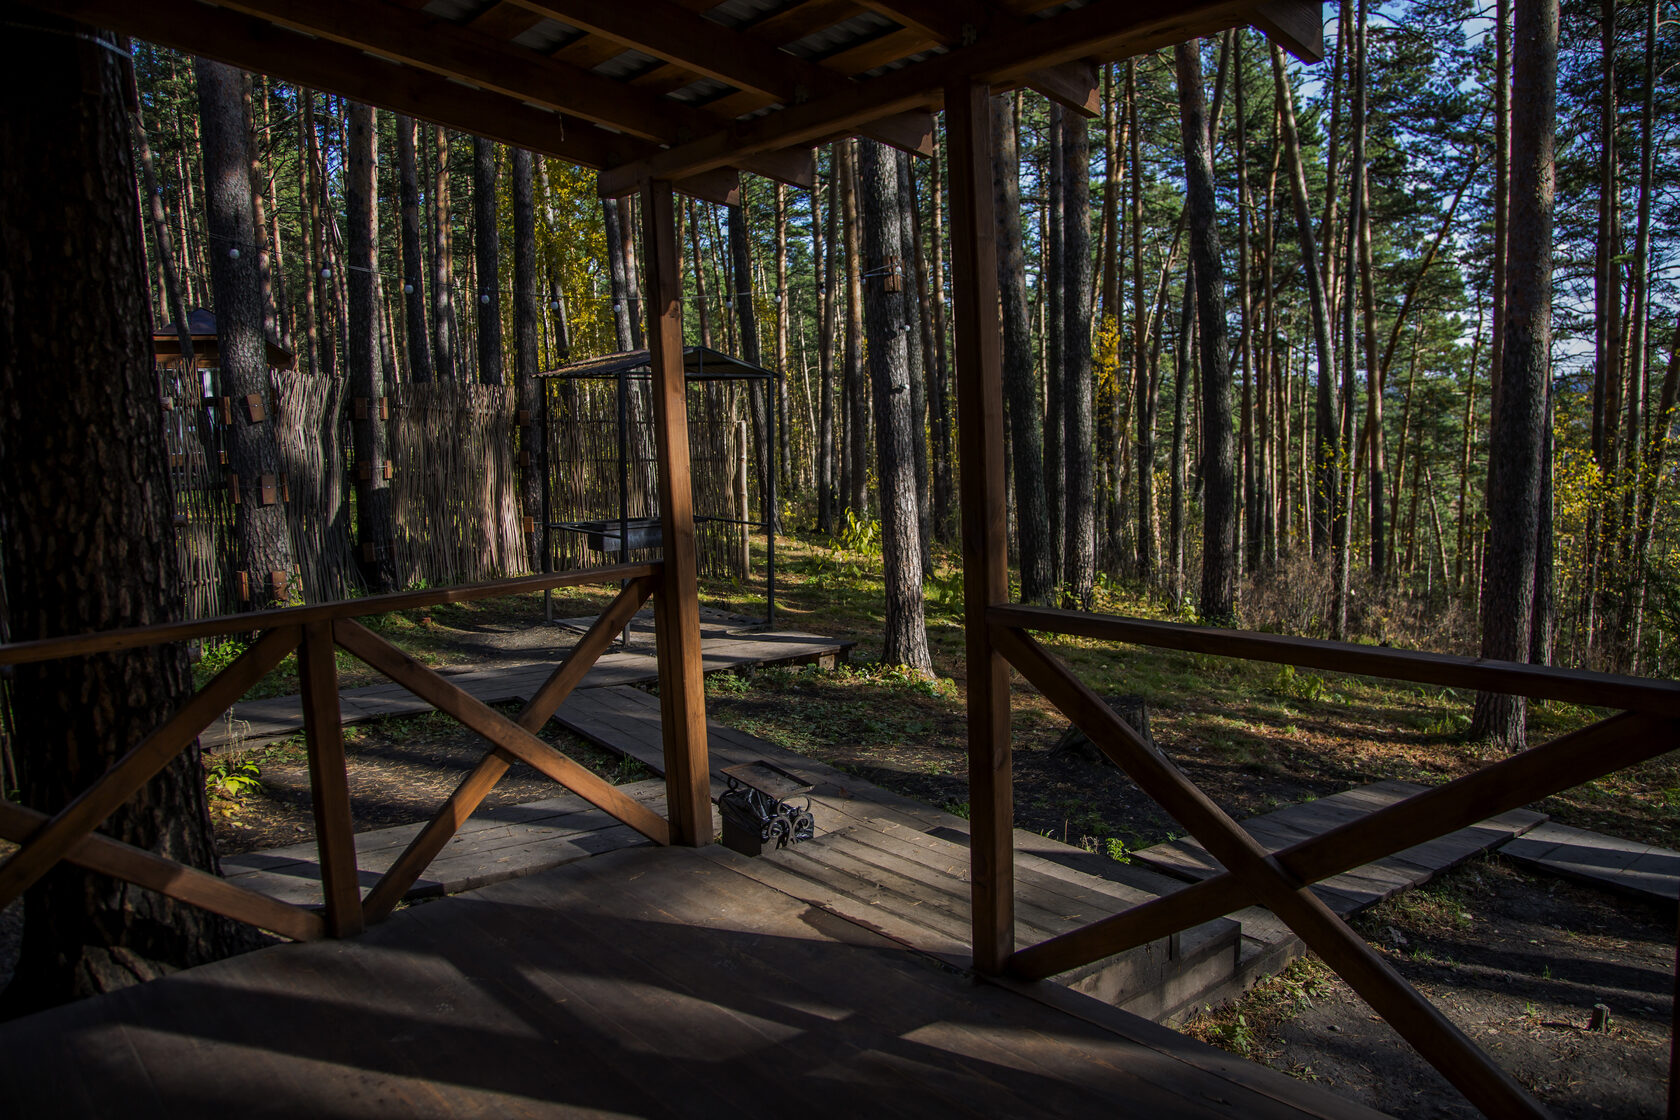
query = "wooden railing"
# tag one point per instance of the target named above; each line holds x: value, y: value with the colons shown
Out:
x: 1648, y: 727
x: 314, y: 632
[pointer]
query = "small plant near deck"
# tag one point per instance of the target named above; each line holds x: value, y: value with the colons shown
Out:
x: 232, y: 778
x: 1305, y: 688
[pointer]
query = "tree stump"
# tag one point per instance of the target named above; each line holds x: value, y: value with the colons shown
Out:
x: 1075, y: 744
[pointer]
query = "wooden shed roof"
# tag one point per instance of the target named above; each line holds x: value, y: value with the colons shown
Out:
x: 691, y: 91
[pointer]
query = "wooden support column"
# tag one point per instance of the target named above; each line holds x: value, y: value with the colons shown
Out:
x: 984, y: 545
x: 676, y: 605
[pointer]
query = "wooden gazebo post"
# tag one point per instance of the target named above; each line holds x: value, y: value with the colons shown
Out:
x: 985, y: 560
x: 676, y: 605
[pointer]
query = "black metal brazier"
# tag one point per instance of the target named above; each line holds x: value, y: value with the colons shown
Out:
x: 754, y: 812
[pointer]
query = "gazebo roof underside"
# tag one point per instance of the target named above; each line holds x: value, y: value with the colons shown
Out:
x: 691, y: 91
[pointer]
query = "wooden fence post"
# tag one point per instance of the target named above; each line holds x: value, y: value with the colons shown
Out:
x: 329, y: 788
x: 984, y: 545
x: 682, y: 692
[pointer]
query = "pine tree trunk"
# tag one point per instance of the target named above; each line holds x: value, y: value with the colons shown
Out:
x: 856, y: 392
x: 262, y: 545
x: 1144, y: 387
x: 74, y: 347
x: 487, y: 249
x: 373, y: 489
x: 915, y: 352
x: 939, y: 392
x: 1515, y: 459
x: 414, y: 265
x: 827, y: 304
x: 1052, y: 274
x: 904, y: 633
x: 1219, y: 510
x: 443, y: 266
x: 1079, y: 571
x: 1020, y: 387
x: 741, y: 294
x: 532, y: 436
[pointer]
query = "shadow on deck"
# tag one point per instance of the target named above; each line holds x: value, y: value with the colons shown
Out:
x: 650, y: 982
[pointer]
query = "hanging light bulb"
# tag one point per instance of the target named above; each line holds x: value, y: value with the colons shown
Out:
x: 408, y: 289
x: 616, y: 306
x: 554, y: 305
x: 233, y: 254
x: 326, y: 274
x: 484, y: 297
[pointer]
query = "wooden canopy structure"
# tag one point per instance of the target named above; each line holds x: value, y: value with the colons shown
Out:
x: 667, y: 96
x: 206, y: 343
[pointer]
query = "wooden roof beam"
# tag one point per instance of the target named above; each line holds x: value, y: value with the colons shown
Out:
x: 957, y: 24
x: 694, y: 43
x: 1295, y: 25
x: 464, y: 54
x: 1105, y: 29
x: 255, y: 44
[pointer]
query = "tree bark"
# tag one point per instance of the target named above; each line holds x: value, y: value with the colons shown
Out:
x: 856, y: 494
x: 1143, y: 385
x: 263, y: 547
x: 443, y: 267
x: 1516, y: 443
x: 939, y: 391
x: 414, y: 265
x: 915, y: 352
x: 904, y: 633
x: 487, y: 248
x: 827, y: 304
x: 532, y: 437
x: 1079, y: 560
x: 1020, y: 387
x: 1219, y: 511
x: 75, y: 349
x: 367, y: 429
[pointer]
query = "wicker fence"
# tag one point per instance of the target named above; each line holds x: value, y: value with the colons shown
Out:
x: 454, y: 492
x: 454, y: 489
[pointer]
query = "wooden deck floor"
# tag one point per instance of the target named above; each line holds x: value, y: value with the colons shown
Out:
x: 646, y: 982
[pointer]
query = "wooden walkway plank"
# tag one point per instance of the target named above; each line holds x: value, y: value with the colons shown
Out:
x: 1622, y: 865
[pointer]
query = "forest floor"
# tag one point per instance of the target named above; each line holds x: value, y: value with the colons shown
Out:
x: 1517, y: 961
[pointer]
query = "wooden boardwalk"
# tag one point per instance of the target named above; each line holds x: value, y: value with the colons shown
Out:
x: 648, y: 982
x: 721, y: 648
x: 1642, y: 870
x: 1269, y: 944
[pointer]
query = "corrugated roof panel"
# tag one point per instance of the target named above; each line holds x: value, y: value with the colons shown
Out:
x: 628, y: 64
x: 733, y: 13
x: 849, y: 33
x: 457, y: 10
x: 547, y: 36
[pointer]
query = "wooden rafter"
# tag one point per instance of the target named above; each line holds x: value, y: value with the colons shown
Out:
x: 1098, y: 30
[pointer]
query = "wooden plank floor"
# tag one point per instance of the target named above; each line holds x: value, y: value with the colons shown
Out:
x: 647, y: 982
x: 262, y: 721
x: 1643, y: 870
